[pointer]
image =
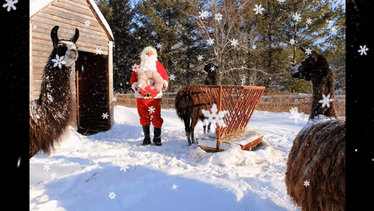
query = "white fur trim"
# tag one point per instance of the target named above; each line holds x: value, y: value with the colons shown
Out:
x: 166, y: 83
x: 134, y: 85
x: 137, y: 95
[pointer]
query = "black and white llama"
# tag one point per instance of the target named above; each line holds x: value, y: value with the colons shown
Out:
x: 50, y: 113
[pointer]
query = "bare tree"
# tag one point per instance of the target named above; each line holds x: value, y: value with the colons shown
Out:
x: 226, y: 28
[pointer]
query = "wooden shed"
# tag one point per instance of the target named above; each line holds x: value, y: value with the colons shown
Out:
x: 92, y: 80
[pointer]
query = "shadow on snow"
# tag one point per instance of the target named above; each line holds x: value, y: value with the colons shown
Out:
x: 142, y: 188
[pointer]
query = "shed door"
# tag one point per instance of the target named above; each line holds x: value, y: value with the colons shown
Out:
x: 92, y: 93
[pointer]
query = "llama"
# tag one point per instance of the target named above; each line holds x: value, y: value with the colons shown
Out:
x: 191, y: 100
x: 211, y: 78
x: 50, y: 113
x: 315, y: 176
x: 189, y: 103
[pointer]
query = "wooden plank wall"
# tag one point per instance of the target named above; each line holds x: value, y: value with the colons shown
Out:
x: 68, y: 14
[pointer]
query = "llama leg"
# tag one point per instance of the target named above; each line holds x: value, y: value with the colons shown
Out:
x: 192, y: 137
x: 187, y: 129
x: 193, y: 124
x: 188, y: 138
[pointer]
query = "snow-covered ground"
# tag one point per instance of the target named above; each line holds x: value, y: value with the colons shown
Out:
x: 112, y: 171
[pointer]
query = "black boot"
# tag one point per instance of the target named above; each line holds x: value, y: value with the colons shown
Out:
x: 157, y: 136
x: 147, y: 138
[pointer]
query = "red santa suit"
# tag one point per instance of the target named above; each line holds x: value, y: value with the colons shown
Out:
x: 149, y: 109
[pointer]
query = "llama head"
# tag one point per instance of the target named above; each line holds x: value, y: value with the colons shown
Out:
x: 210, y: 67
x: 66, y: 48
x: 313, y: 66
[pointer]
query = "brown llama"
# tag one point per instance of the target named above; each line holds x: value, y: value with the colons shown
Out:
x: 211, y: 78
x: 50, y: 113
x: 191, y: 100
x: 315, y: 176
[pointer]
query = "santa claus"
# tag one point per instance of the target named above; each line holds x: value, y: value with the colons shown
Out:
x: 146, y: 79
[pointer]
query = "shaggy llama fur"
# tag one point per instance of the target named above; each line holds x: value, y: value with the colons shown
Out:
x: 189, y: 103
x: 50, y: 113
x: 191, y: 100
x: 315, y: 176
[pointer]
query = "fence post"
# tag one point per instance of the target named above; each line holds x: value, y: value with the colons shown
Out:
x: 218, y: 128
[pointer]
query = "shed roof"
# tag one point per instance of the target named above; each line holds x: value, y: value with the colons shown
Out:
x: 36, y: 5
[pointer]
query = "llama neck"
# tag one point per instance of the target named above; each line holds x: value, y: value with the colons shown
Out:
x: 56, y: 91
x: 323, y: 86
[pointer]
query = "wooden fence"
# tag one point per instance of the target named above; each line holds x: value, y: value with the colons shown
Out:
x: 273, y: 103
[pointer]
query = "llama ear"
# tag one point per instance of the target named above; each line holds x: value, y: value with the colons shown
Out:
x: 54, y: 35
x: 75, y: 36
x: 301, y: 48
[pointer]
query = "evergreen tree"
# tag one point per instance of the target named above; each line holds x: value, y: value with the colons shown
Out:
x: 165, y: 24
x: 124, y: 51
x: 105, y: 9
x: 251, y: 47
x: 283, y: 26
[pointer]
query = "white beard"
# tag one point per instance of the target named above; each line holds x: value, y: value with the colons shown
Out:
x: 148, y: 63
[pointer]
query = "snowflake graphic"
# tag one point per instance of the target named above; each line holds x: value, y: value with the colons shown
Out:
x: 124, y: 167
x: 19, y: 161
x: 105, y: 115
x: 98, y: 51
x: 87, y: 23
x: 200, y: 58
x: 306, y: 183
x: 309, y: 21
x: 363, y: 50
x: 174, y: 187
x: 159, y: 46
x: 203, y: 14
x: 210, y: 41
x: 135, y: 67
x: 58, y: 61
x: 112, y: 195
x: 308, y: 51
x: 214, y: 117
x: 46, y: 167
x: 292, y: 41
x: 218, y: 17
x: 258, y: 9
x: 334, y: 29
x: 151, y: 109
x: 172, y: 77
x: 234, y: 42
x: 295, y: 114
x: 326, y: 101
x: 53, y: 175
x: 212, y: 68
x: 296, y: 17
x: 10, y: 5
